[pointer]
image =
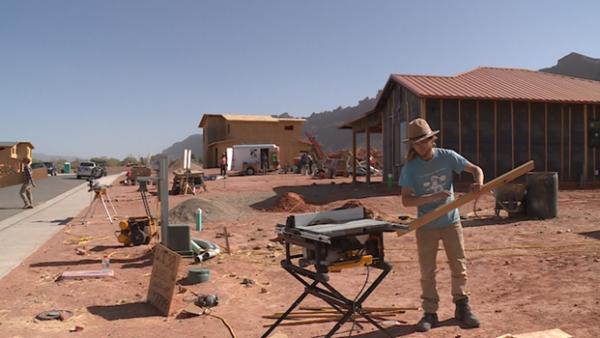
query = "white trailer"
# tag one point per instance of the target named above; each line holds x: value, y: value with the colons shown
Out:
x: 252, y: 158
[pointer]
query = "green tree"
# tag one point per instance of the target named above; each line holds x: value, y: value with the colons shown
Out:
x: 130, y: 159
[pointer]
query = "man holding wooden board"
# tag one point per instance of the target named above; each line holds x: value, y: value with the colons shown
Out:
x: 427, y: 183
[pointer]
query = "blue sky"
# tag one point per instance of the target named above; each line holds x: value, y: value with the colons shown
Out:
x: 112, y: 78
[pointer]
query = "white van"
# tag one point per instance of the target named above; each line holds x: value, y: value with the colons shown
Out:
x: 252, y: 158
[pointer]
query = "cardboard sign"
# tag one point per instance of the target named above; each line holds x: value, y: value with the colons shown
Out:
x: 163, y: 278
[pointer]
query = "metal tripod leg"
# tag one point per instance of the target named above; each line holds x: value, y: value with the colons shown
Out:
x: 111, y: 203
x: 91, y: 209
x: 106, y: 210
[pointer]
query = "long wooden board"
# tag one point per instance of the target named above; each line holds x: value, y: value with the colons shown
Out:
x: 491, y: 185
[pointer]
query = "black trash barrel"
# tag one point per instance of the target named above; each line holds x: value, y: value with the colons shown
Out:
x: 542, y: 194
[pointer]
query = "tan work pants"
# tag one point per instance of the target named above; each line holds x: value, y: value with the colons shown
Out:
x: 26, y: 193
x: 427, y: 246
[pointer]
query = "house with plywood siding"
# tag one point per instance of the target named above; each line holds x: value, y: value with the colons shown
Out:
x: 221, y: 131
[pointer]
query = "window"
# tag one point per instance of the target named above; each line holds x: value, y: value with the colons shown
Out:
x: 290, y: 127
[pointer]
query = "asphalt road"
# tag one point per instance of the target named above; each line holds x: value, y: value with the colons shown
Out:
x: 12, y: 204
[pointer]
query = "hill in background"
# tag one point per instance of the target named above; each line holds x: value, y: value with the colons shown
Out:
x: 324, y: 126
x: 577, y: 65
x: 193, y: 142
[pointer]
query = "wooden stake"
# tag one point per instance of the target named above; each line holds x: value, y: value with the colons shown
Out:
x: 226, y: 234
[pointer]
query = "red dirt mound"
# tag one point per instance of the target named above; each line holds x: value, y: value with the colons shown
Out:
x: 292, y: 202
x: 370, y: 212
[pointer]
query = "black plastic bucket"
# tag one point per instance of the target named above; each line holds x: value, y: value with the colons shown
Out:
x: 542, y: 194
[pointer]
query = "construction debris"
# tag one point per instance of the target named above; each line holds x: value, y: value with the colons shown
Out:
x: 87, y: 274
x: 313, y: 315
x: 186, y: 181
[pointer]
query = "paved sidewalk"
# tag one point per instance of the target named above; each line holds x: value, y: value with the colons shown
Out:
x: 24, y: 233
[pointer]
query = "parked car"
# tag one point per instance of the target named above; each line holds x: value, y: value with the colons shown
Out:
x: 85, y: 169
x: 101, y: 169
x: 51, y: 168
x: 98, y: 171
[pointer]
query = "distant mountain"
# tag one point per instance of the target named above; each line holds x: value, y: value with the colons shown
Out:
x: 193, y: 142
x: 324, y: 126
x: 577, y: 65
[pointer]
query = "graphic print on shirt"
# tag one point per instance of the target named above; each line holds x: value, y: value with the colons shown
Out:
x: 436, y: 183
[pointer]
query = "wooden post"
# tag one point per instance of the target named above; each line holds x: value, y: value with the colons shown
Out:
x: 495, y: 138
x: 562, y: 141
x: 570, y: 145
x: 529, y: 130
x: 353, y: 155
x: 512, y: 134
x: 477, y: 134
x: 585, y: 142
x: 368, y: 136
x: 459, y: 129
x: 442, y: 122
x: 594, y: 153
x: 546, y: 136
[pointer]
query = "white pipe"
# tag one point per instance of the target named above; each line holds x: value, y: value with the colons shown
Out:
x: 185, y: 158
x: 189, y: 159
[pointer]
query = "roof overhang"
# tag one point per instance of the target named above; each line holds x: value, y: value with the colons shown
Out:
x: 370, y: 120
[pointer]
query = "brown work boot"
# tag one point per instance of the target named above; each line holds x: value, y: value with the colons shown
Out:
x: 464, y: 315
x: 428, y: 321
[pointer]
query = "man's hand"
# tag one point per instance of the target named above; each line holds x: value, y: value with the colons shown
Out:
x: 477, y: 176
x: 442, y: 195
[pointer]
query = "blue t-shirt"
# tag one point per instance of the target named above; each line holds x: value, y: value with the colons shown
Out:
x: 429, y: 177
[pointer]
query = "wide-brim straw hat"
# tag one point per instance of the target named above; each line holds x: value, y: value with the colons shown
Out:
x: 418, y: 130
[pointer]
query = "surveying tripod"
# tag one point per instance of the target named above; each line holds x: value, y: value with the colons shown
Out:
x: 100, y: 193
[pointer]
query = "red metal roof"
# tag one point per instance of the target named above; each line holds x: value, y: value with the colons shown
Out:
x: 504, y: 84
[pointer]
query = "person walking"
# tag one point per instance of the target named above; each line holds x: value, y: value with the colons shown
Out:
x: 223, y: 164
x: 28, y: 184
x: 427, y: 183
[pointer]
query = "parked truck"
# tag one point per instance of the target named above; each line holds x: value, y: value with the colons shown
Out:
x: 250, y: 159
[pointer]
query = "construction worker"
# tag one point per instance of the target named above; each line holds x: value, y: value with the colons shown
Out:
x: 28, y: 185
x: 223, y: 164
x: 426, y: 182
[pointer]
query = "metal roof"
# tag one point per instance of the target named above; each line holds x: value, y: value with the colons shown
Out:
x: 249, y: 118
x: 10, y: 144
x: 504, y: 84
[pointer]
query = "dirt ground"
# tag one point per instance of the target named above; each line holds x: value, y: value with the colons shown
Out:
x: 524, y: 275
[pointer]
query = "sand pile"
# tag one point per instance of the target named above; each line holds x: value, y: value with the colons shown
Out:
x: 293, y: 202
x: 185, y: 212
